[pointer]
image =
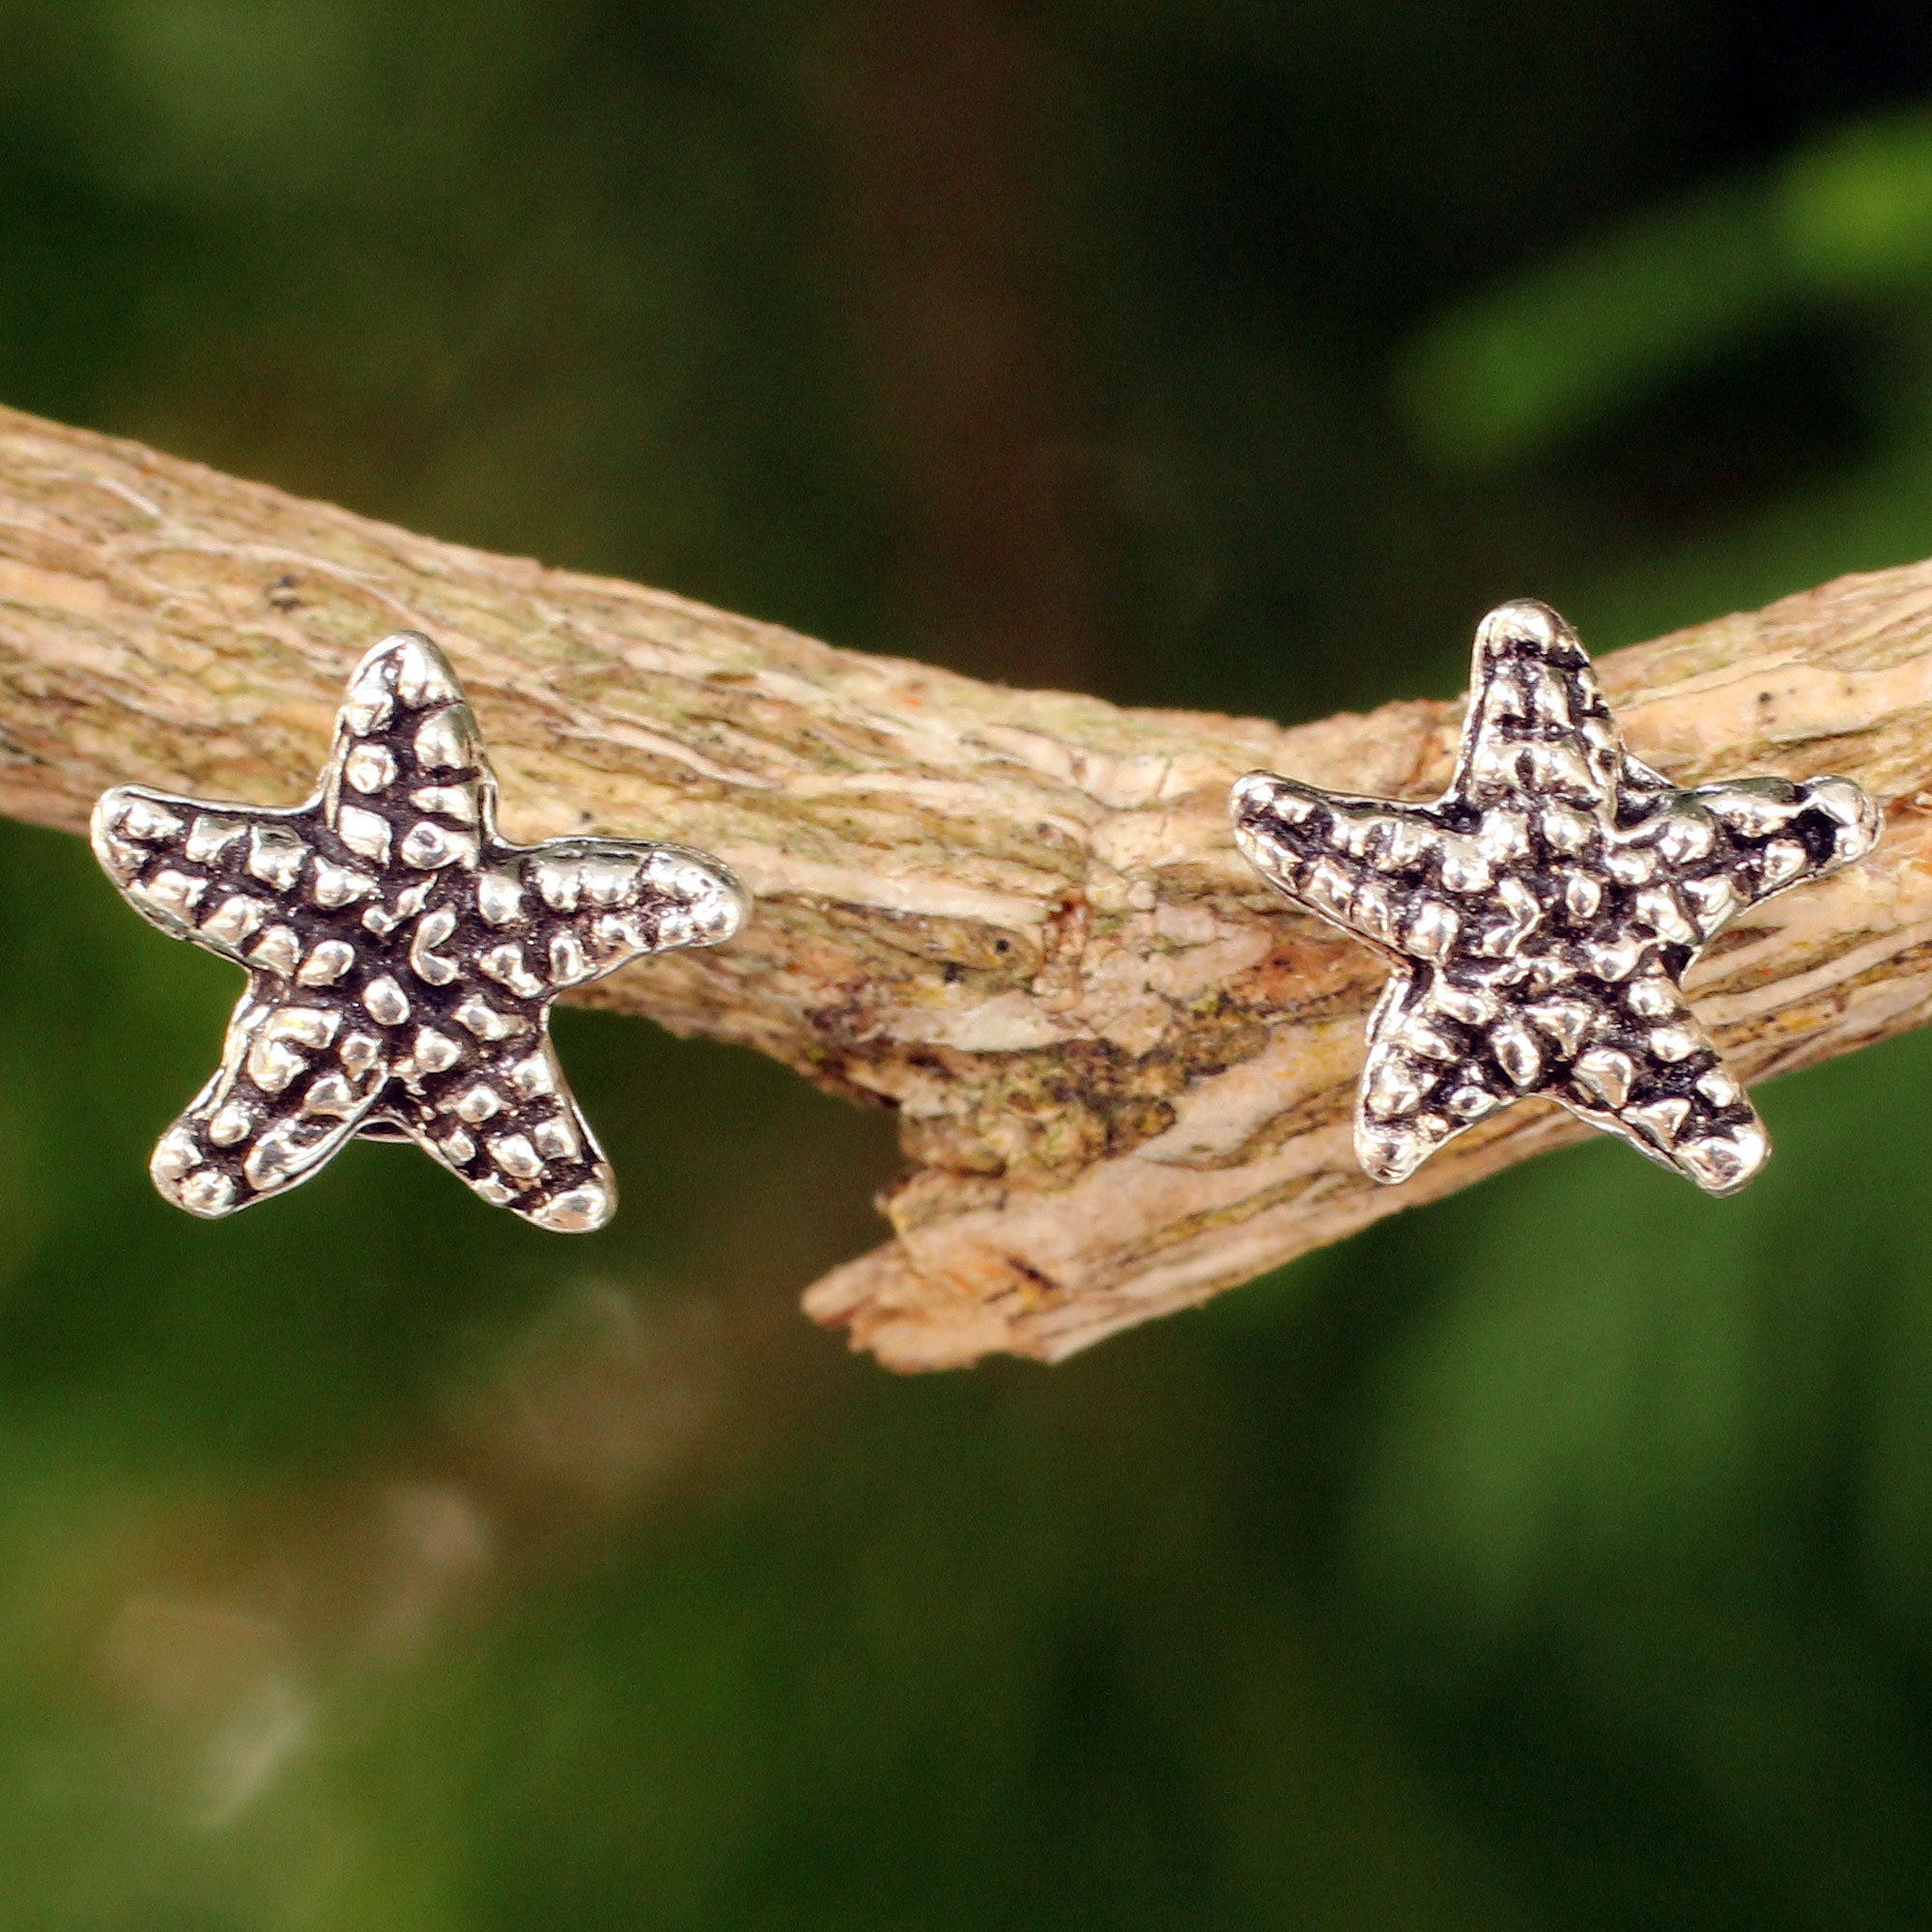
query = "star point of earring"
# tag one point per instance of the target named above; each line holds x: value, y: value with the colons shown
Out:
x: 402, y: 958
x: 1541, y: 915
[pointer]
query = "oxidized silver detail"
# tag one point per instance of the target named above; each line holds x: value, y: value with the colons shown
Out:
x: 1543, y: 912
x: 402, y: 958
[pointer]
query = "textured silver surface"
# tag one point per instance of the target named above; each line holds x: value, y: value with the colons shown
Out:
x: 402, y: 958
x: 1543, y: 913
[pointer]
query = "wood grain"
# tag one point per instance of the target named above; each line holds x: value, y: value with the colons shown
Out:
x: 1122, y: 1069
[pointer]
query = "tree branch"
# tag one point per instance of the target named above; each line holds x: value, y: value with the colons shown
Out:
x: 1123, y: 1069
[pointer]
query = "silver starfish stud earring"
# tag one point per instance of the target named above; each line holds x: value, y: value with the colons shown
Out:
x: 402, y: 958
x: 1541, y: 914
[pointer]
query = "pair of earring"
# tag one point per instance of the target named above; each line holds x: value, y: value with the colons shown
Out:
x: 403, y: 957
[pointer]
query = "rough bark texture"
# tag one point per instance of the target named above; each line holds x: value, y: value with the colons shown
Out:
x: 1123, y: 1069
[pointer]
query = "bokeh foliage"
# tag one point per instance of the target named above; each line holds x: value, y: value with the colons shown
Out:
x: 1560, y: 1555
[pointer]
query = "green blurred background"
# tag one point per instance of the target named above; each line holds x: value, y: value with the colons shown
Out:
x: 1557, y: 1556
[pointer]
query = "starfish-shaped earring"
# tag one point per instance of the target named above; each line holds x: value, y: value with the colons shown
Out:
x: 402, y: 958
x: 1541, y: 914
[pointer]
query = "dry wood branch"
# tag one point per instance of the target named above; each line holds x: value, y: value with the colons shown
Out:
x: 1122, y: 1069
